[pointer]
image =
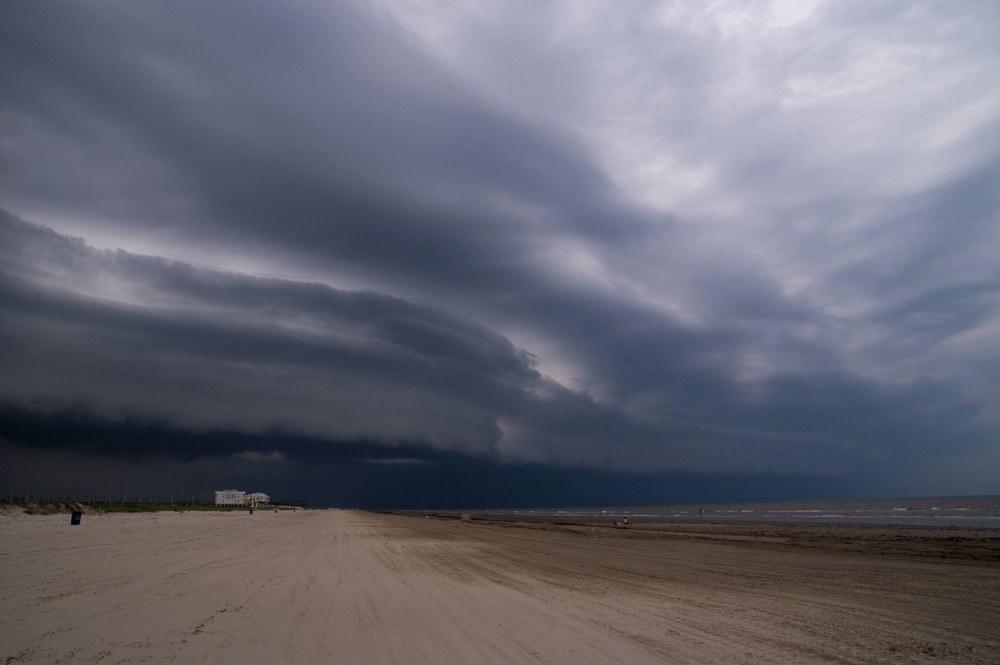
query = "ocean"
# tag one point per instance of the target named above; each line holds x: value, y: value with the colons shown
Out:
x: 971, y: 511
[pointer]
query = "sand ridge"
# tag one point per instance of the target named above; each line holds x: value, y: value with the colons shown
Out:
x: 355, y: 587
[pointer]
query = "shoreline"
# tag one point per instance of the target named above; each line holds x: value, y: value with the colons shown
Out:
x: 952, y: 542
x: 708, y: 525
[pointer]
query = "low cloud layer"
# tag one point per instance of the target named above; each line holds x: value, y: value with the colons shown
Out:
x: 732, y: 238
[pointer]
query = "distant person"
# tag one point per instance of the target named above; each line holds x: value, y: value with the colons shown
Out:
x: 625, y: 521
x: 701, y: 513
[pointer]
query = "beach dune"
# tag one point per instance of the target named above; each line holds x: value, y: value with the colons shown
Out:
x: 358, y: 587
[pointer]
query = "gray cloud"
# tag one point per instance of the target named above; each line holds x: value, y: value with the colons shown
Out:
x: 206, y: 347
x: 125, y: 336
x: 643, y: 238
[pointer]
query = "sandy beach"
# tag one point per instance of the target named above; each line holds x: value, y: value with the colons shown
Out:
x: 358, y: 587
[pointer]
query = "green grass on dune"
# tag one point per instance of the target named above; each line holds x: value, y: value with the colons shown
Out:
x: 133, y: 507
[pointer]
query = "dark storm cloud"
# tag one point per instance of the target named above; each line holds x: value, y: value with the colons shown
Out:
x: 203, y: 349
x: 348, y: 480
x: 464, y: 265
x: 292, y: 131
x: 247, y: 351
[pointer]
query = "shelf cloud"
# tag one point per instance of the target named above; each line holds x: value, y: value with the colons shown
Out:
x: 597, y: 238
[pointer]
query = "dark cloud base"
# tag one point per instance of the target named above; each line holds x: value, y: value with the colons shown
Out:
x: 73, y: 453
x: 312, y: 221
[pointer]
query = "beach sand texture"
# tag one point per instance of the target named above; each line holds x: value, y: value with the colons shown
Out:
x: 355, y: 587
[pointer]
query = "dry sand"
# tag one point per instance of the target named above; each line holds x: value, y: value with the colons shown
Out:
x: 351, y: 587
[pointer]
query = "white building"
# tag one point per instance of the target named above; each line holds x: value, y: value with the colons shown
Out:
x: 257, y: 500
x: 230, y: 498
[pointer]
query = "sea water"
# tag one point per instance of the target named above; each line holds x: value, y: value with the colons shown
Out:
x: 972, y: 511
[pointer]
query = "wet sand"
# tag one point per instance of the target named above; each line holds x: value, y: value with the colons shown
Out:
x: 355, y: 587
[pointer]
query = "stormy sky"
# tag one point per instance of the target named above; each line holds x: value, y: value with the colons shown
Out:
x: 434, y: 253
